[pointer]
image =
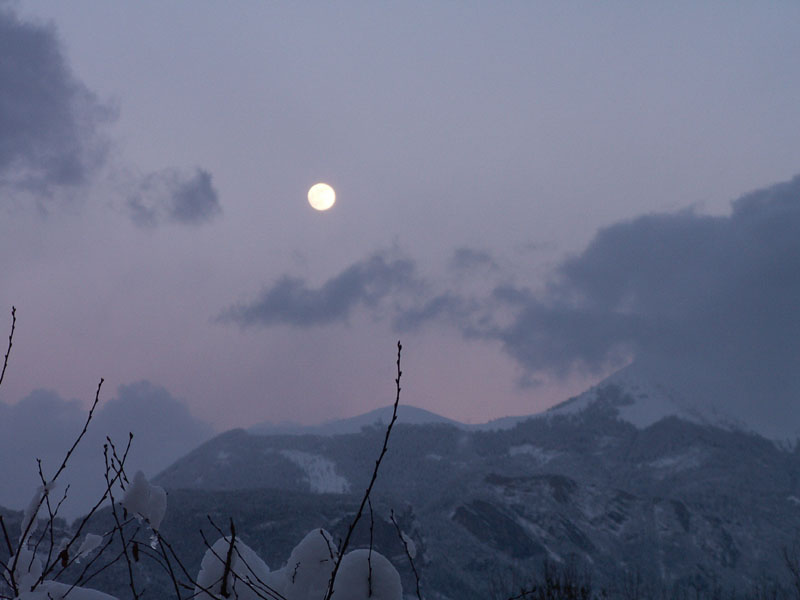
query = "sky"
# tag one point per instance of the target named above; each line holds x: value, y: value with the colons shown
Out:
x: 529, y: 195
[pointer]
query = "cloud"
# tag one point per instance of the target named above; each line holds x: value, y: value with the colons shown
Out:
x: 672, y: 283
x: 162, y: 426
x: 52, y: 139
x: 291, y: 301
x: 43, y: 425
x: 710, y: 302
x: 49, y: 121
x: 174, y: 197
x: 705, y: 304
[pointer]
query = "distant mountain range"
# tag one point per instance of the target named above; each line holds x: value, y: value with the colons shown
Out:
x: 626, y: 480
x: 649, y: 493
x: 649, y: 397
x: 406, y: 414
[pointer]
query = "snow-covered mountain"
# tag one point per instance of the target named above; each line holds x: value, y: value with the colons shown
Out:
x: 649, y: 394
x: 635, y: 481
x: 603, y: 481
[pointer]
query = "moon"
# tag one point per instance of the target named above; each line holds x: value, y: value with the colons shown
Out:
x: 321, y: 196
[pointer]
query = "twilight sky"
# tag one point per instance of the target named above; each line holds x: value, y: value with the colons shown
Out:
x: 529, y: 194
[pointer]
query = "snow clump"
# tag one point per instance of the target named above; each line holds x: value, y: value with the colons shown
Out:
x: 367, y: 575
x: 145, y: 500
x: 247, y: 579
x: 308, y: 570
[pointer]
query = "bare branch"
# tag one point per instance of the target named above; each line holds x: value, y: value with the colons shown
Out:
x: 224, y: 589
x: 5, y: 535
x: 119, y: 526
x: 408, y: 552
x: 10, y: 342
x: 369, y: 552
x: 364, y: 500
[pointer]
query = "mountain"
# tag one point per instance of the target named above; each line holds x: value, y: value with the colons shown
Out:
x: 626, y: 482
x: 406, y: 414
x: 652, y: 393
x: 380, y: 416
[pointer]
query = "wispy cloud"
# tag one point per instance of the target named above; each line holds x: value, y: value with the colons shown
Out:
x: 174, y: 197
x: 291, y: 301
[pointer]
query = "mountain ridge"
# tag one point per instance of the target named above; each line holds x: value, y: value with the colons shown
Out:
x: 406, y: 414
x: 679, y: 502
x: 648, y: 398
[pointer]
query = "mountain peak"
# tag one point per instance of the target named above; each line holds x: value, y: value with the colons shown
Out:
x: 643, y: 396
x: 406, y: 414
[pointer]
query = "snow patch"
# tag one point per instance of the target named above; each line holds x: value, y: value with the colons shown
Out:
x: 320, y: 472
x: 540, y: 455
x: 90, y: 543
x: 643, y: 403
x: 690, y: 459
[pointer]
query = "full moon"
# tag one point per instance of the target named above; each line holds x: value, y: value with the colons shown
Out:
x: 321, y: 196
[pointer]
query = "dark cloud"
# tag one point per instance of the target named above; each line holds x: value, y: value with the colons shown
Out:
x: 52, y: 141
x: 49, y: 121
x: 291, y: 301
x: 43, y: 425
x: 711, y: 302
x: 172, y: 197
x: 705, y: 304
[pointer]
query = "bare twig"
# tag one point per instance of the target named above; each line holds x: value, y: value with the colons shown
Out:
x: 224, y: 588
x: 10, y: 342
x: 11, y: 570
x: 369, y: 552
x: 5, y: 535
x: 215, y: 526
x: 82, y: 433
x: 120, y: 461
x: 51, y: 515
x: 260, y: 584
x: 182, y: 567
x: 173, y: 578
x: 82, y: 579
x: 791, y: 560
x: 367, y: 493
x: 84, y: 522
x: 119, y: 529
x: 408, y: 552
x: 328, y: 543
x: 63, y: 466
